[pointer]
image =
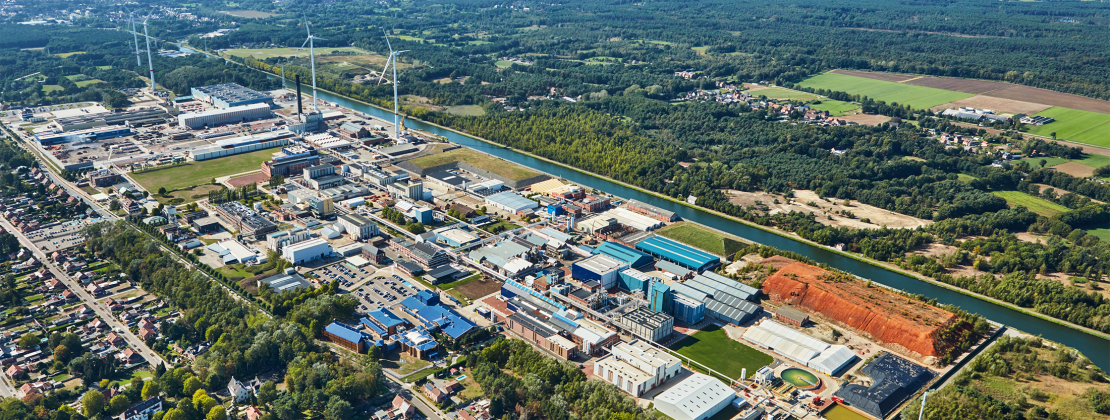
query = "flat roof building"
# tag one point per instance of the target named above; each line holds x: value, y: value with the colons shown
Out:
x: 646, y: 324
x: 227, y: 95
x: 310, y: 250
x: 600, y: 268
x: 684, y: 255
x: 285, y: 282
x: 215, y: 117
x: 624, y: 254
x: 511, y: 202
x: 637, y: 367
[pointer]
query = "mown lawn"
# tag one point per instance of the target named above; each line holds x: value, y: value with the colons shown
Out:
x: 701, y: 238
x: 713, y: 348
x: 1034, y: 204
x: 197, y: 173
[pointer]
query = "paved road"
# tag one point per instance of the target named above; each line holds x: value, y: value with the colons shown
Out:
x: 7, y: 388
x: 101, y: 310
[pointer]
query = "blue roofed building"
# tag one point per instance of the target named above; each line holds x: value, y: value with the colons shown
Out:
x: 625, y: 254
x: 426, y: 308
x: 383, y: 319
x: 419, y: 343
x: 681, y: 254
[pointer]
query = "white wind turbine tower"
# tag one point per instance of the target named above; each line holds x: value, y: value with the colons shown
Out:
x: 312, y: 59
x: 149, y: 61
x: 135, y: 34
x: 396, y: 107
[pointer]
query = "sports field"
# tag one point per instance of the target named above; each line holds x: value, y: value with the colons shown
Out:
x: 264, y: 53
x: 1076, y: 125
x: 918, y: 97
x: 701, y: 238
x: 1034, y: 204
x: 713, y: 348
x: 836, y: 108
x: 196, y: 173
x: 479, y: 160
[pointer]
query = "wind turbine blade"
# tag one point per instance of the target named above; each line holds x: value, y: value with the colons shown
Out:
x: 384, y: 69
x: 387, y: 41
x: 302, y: 45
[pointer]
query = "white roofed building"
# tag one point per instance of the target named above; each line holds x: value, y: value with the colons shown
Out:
x: 697, y: 397
x: 637, y: 367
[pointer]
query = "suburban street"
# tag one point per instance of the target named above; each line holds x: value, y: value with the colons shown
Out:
x: 101, y: 311
x: 7, y: 389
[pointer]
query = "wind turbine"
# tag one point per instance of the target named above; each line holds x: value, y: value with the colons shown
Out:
x: 396, y: 107
x: 149, y: 61
x: 135, y: 34
x: 312, y: 59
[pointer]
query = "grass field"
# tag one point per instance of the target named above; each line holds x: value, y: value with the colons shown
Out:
x: 918, y: 97
x: 84, y: 83
x: 836, y: 108
x: 64, y: 55
x: 264, y: 53
x: 251, y: 14
x: 51, y: 88
x: 467, y: 110
x: 701, y: 50
x: 966, y: 177
x: 713, y: 348
x: 196, y: 173
x: 701, y: 238
x: 480, y: 160
x: 1036, y: 162
x: 780, y: 93
x: 503, y: 64
x: 1102, y: 233
x: 1034, y: 204
x: 1091, y: 160
x: 458, y: 283
x: 1075, y: 125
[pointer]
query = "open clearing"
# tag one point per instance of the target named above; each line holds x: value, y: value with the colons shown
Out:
x: 477, y: 159
x: 197, y: 173
x: 252, y: 14
x: 479, y: 288
x: 835, y: 108
x: 866, y: 119
x: 1075, y: 169
x: 503, y: 64
x: 713, y: 348
x: 877, y: 216
x: 1034, y: 204
x: 918, y: 97
x: 994, y: 89
x: 780, y: 93
x: 701, y: 238
x: 1075, y: 125
x: 64, y: 55
x: 51, y: 88
x: 467, y: 110
x: 264, y: 53
x: 998, y: 105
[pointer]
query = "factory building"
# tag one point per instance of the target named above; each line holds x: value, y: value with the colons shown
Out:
x: 229, y: 95
x: 278, y: 240
x: 284, y: 282
x: 511, y: 202
x: 660, y: 296
x: 624, y: 254
x: 291, y: 161
x: 684, y: 255
x: 245, y: 220
x: 697, y: 397
x: 412, y: 189
x: 600, y: 268
x: 651, y: 211
x: 633, y: 280
x: 244, y: 144
x: 637, y: 367
x: 322, y: 177
x: 215, y: 117
x: 92, y: 134
x: 646, y: 324
x: 310, y: 250
x: 128, y: 118
x: 358, y: 226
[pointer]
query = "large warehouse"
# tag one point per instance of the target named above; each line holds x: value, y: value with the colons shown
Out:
x: 624, y: 254
x: 637, y: 367
x: 227, y: 95
x: 684, y: 255
x: 310, y: 250
x: 244, y: 144
x: 799, y: 347
x: 511, y: 202
x: 698, y: 397
x: 236, y: 114
x: 600, y: 268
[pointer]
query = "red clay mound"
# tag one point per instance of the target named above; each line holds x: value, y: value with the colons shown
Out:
x: 884, y: 315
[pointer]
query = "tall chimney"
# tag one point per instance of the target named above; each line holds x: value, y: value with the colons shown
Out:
x: 299, y: 109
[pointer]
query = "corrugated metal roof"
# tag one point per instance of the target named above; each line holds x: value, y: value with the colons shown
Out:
x: 683, y: 255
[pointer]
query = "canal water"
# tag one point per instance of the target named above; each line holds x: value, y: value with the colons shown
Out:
x: 1094, y: 347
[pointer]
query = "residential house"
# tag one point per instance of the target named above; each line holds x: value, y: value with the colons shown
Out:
x: 437, y: 395
x: 241, y: 391
x: 142, y: 410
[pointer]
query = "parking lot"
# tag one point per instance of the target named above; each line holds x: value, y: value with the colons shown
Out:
x: 375, y: 288
x: 60, y: 236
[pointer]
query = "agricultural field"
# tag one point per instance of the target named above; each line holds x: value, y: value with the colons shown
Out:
x: 467, y: 110
x: 198, y: 173
x: 780, y: 93
x: 918, y: 97
x: 264, y: 53
x: 701, y: 238
x: 835, y: 108
x: 1034, y: 204
x: 713, y: 348
x: 1075, y: 125
x: 250, y: 14
x: 479, y: 160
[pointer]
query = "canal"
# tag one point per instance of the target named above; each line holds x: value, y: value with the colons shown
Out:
x: 1094, y: 347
